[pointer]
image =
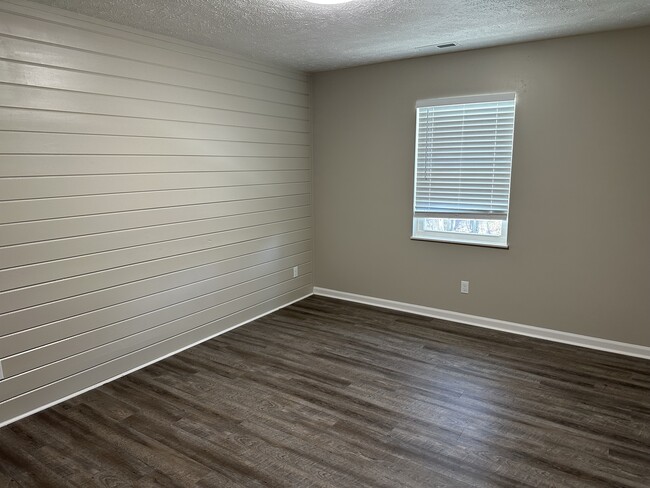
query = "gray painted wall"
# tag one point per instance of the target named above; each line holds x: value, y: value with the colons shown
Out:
x: 579, y: 235
x: 152, y: 194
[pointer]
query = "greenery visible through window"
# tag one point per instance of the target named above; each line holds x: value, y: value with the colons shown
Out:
x: 462, y: 169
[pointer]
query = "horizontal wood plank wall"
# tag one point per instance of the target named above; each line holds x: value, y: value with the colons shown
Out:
x: 152, y: 194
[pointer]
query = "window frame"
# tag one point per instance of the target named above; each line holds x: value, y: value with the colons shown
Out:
x: 417, y: 234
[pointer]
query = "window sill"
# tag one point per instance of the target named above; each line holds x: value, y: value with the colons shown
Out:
x: 461, y: 242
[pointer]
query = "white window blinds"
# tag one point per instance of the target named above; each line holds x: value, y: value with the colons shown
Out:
x: 464, y: 157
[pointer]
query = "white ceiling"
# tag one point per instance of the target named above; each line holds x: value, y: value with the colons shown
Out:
x: 313, y: 37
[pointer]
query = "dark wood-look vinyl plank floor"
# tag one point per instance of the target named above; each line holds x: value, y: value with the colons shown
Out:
x: 326, y: 393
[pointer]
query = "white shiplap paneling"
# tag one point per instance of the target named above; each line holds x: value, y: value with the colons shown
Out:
x: 152, y: 194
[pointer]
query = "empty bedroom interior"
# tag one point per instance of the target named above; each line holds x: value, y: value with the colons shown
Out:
x: 222, y: 254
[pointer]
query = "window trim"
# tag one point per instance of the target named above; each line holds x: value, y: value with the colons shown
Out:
x: 461, y: 238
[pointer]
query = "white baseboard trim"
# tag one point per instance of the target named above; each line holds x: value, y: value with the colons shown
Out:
x: 488, y: 323
x: 80, y: 392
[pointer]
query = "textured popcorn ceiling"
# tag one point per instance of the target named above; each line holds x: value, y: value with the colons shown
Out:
x: 314, y: 37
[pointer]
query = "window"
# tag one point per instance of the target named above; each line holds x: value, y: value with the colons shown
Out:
x: 463, y: 163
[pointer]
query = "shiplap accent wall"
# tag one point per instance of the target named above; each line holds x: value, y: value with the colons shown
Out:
x: 152, y: 194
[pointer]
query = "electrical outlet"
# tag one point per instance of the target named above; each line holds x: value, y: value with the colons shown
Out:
x: 464, y: 286
x: 295, y: 271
